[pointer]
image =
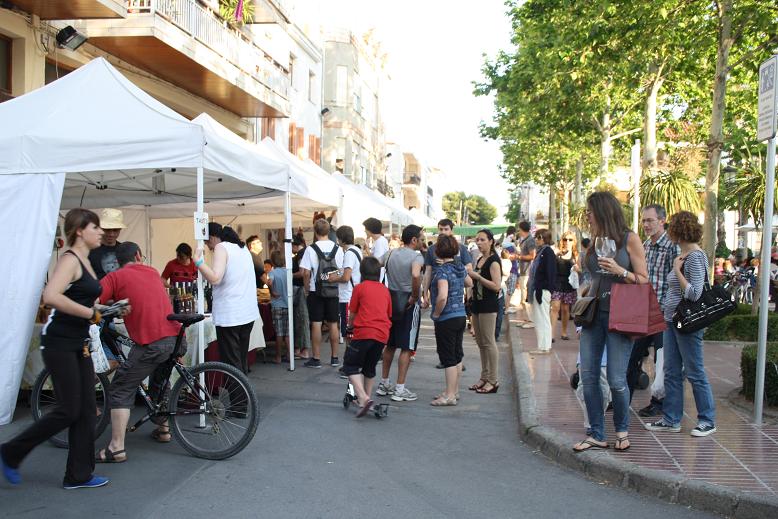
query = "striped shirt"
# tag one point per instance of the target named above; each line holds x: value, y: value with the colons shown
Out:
x: 659, y: 259
x: 695, y: 270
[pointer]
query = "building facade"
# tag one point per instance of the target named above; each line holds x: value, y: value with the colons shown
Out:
x: 353, y: 140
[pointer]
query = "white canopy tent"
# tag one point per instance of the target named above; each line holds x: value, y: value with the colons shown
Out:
x: 94, y: 139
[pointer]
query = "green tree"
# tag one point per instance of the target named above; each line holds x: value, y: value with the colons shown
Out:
x: 466, y: 209
x: 673, y: 190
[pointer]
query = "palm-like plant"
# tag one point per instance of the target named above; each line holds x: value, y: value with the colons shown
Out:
x: 228, y: 9
x: 673, y: 190
x: 748, y: 188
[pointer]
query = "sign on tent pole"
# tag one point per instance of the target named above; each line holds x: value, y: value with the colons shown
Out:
x: 768, y: 106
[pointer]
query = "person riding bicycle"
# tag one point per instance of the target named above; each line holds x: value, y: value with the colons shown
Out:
x: 155, y: 339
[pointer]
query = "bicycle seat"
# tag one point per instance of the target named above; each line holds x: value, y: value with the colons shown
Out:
x: 186, y: 319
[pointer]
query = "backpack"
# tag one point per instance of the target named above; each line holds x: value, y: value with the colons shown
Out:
x: 359, y: 257
x: 327, y: 264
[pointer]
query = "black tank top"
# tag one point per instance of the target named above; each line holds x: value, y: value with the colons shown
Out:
x: 485, y: 299
x: 65, y: 332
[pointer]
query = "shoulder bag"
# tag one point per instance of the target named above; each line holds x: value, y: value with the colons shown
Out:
x: 399, y: 297
x: 585, y: 308
x: 713, y: 304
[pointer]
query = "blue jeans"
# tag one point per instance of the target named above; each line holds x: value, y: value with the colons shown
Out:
x: 683, y: 357
x: 594, y: 340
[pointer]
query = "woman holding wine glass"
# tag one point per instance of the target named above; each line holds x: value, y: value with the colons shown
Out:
x: 618, y: 257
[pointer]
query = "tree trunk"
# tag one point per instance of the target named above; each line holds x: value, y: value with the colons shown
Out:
x: 606, y: 150
x: 552, y: 227
x: 721, y: 231
x: 565, y: 211
x: 649, y: 119
x: 716, y: 137
x: 578, y: 189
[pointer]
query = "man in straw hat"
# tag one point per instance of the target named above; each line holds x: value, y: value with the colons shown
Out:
x: 103, y: 258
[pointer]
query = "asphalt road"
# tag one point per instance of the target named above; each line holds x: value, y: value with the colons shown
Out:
x: 311, y: 458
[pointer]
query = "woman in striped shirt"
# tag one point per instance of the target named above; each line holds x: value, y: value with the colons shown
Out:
x: 683, y: 351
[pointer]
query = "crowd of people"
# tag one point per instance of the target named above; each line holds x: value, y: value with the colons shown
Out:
x: 369, y: 298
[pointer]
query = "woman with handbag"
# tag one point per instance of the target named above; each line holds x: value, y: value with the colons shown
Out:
x: 565, y: 294
x: 541, y: 283
x: 72, y: 290
x: 683, y: 351
x: 486, y: 276
x: 624, y: 262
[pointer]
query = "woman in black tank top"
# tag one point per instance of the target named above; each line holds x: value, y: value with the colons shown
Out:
x: 487, y: 277
x: 72, y: 291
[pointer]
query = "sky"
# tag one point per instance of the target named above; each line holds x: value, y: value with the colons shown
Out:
x: 435, y: 50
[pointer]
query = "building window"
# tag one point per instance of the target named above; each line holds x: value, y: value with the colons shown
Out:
x: 311, y: 86
x: 314, y: 149
x: 299, y: 143
x: 341, y: 87
x: 5, y: 65
x: 55, y: 70
x: 269, y: 127
x: 340, y: 155
x: 292, y: 138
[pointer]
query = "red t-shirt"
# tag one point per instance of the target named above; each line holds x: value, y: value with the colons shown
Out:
x: 372, y: 306
x: 175, y: 272
x: 147, y: 322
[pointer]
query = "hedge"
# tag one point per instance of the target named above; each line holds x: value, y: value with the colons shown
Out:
x: 748, y: 373
x: 743, y: 328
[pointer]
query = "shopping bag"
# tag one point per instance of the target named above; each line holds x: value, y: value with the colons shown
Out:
x: 635, y: 310
x: 96, y: 352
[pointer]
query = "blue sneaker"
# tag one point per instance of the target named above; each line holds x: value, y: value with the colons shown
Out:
x: 96, y: 481
x: 12, y: 475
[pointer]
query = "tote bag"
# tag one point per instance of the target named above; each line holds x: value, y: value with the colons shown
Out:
x: 635, y: 310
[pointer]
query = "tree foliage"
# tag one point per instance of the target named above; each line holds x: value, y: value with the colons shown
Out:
x: 464, y: 209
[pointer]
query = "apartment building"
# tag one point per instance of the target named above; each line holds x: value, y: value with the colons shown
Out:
x: 353, y: 140
x: 422, y: 187
x: 258, y: 79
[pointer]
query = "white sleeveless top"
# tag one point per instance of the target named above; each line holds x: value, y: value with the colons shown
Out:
x: 235, y: 298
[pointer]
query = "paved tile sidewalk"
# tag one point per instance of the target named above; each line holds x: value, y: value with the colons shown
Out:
x: 740, y: 455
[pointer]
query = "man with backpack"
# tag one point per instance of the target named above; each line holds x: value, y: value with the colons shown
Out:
x: 321, y: 267
x: 352, y: 257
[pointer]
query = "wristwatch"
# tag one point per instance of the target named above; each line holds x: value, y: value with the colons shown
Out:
x: 624, y: 275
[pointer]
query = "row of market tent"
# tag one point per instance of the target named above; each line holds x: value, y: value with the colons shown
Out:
x: 93, y: 139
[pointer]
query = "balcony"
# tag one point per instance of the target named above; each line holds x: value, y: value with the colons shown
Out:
x: 73, y: 9
x: 187, y: 44
x: 384, y: 188
x: 413, y: 179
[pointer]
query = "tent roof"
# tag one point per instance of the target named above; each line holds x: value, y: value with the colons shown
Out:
x: 121, y: 147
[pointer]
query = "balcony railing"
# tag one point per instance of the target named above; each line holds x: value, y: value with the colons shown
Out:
x: 212, y: 31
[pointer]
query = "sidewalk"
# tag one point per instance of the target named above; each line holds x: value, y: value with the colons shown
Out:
x: 733, y: 472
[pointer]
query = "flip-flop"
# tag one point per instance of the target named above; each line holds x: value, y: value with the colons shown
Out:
x: 591, y: 445
x: 158, y: 435
x: 365, y: 408
x: 619, y: 441
x: 109, y: 456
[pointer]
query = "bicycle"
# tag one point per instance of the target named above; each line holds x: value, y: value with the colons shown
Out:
x: 211, y: 403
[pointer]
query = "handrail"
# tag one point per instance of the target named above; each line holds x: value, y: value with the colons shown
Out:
x: 212, y: 31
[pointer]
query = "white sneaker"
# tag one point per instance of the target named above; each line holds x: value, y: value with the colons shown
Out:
x: 384, y: 389
x: 404, y: 395
x: 340, y: 339
x: 527, y: 326
x: 511, y: 310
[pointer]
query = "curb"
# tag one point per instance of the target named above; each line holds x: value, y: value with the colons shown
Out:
x: 602, y: 467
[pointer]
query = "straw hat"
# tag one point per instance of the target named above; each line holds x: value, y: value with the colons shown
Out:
x: 112, y: 219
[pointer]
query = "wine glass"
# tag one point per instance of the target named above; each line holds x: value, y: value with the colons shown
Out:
x: 605, y: 248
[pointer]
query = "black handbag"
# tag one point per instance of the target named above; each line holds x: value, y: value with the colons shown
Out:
x: 585, y: 308
x: 713, y: 304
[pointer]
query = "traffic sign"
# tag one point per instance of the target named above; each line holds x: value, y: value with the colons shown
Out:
x: 768, y: 99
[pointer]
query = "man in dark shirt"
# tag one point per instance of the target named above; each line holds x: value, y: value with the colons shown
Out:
x: 103, y: 258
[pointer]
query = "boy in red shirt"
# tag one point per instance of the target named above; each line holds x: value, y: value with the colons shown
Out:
x: 148, y: 327
x: 369, y: 322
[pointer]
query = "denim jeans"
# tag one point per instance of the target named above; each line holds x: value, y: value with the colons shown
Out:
x: 683, y: 357
x: 594, y: 340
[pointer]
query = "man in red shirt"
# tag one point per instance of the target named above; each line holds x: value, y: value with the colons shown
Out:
x: 370, y: 318
x: 149, y: 328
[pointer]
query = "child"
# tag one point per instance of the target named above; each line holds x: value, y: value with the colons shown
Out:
x: 276, y: 280
x: 369, y: 321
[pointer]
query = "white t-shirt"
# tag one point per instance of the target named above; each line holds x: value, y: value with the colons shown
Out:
x: 351, y: 258
x: 310, y: 259
x: 235, y: 298
x: 380, y: 247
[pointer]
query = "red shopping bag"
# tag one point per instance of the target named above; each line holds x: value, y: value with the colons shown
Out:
x: 635, y: 310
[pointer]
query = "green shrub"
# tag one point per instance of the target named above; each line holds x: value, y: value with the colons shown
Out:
x: 742, y: 309
x: 743, y: 328
x: 748, y: 373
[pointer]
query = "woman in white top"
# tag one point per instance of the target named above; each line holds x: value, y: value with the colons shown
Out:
x: 234, y: 295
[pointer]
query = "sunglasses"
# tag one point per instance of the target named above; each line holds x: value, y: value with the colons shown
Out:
x: 568, y: 239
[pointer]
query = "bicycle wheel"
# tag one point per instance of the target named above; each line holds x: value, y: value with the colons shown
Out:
x: 44, y: 400
x: 219, y: 417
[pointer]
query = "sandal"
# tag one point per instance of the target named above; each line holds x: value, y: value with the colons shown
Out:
x: 482, y: 390
x: 564, y: 338
x: 160, y: 435
x: 589, y: 443
x: 443, y: 401
x: 619, y: 441
x: 109, y: 456
x: 442, y: 395
x: 365, y: 408
x: 478, y: 385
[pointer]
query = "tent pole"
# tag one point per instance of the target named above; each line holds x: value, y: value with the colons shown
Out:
x: 288, y: 257
x: 200, y: 290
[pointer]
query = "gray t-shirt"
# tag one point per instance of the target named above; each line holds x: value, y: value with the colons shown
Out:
x: 398, y: 263
x: 526, y: 246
